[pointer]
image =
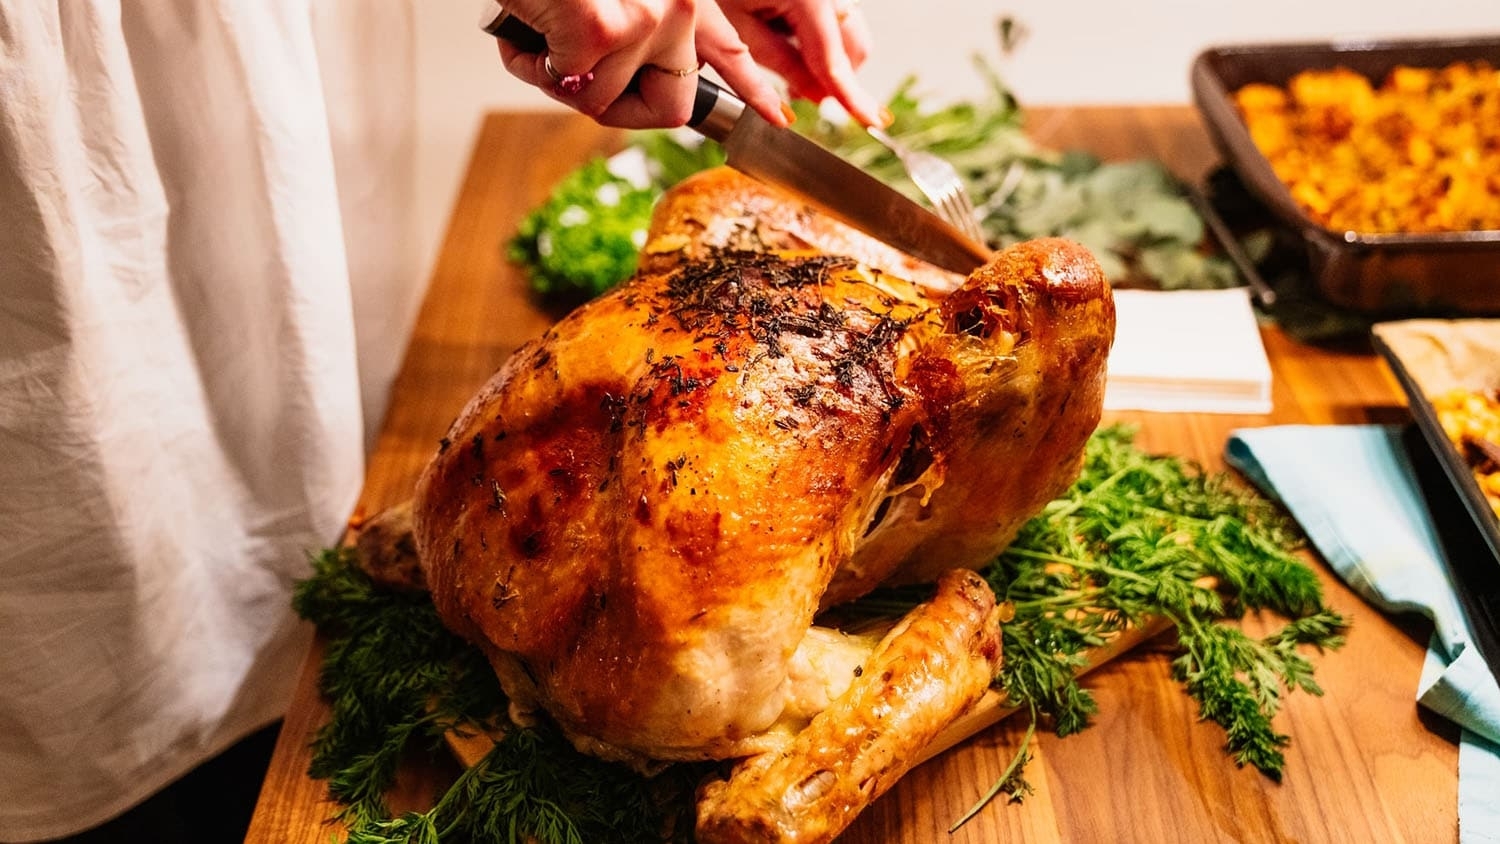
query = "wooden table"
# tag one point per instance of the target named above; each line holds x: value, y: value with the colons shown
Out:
x: 1364, y: 765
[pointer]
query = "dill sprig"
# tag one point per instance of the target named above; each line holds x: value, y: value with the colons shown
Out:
x: 392, y: 674
x: 533, y: 786
x: 1137, y: 537
x: 395, y: 676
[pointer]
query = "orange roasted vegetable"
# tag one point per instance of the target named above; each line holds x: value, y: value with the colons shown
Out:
x: 1418, y: 154
x: 1471, y: 419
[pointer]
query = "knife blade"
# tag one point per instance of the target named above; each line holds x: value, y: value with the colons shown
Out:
x: 793, y: 163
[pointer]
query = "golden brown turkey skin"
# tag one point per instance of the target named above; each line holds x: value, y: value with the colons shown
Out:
x: 1013, y: 386
x: 855, y: 750
x: 641, y: 513
x: 720, y: 210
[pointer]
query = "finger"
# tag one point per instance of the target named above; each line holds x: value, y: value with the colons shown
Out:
x: 818, y: 32
x: 611, y: 79
x: 772, y: 50
x: 580, y: 35
x: 656, y: 104
x: 856, y: 34
x: 531, y: 68
x: 591, y: 50
x: 721, y: 47
x: 575, y: 56
x: 661, y: 96
x: 522, y: 65
x: 660, y: 76
x: 594, y: 63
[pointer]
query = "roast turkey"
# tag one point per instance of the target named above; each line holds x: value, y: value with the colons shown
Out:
x: 642, y: 514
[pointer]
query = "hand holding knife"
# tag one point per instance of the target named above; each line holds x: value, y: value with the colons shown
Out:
x: 781, y: 157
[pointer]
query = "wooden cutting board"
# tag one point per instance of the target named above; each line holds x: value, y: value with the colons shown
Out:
x: 1366, y: 764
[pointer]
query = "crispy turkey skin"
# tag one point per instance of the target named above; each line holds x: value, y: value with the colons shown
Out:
x: 640, y: 515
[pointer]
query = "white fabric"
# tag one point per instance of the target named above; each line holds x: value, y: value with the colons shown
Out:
x: 180, y: 394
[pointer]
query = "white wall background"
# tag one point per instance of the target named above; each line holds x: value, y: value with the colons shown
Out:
x: 1072, y: 52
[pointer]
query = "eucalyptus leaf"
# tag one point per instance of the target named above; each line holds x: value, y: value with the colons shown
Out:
x: 1123, y: 210
x: 1161, y: 217
x: 1176, y: 269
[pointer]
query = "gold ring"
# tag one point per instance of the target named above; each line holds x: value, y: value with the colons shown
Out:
x: 680, y: 74
x: 844, y: 10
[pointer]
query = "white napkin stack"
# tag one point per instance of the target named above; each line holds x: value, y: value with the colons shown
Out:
x: 1196, y: 351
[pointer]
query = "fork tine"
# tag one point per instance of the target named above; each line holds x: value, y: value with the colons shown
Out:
x: 961, y: 213
x: 939, y: 181
x: 963, y: 209
x: 942, y: 194
x: 952, y: 200
x: 961, y: 202
x: 955, y: 212
x: 971, y: 220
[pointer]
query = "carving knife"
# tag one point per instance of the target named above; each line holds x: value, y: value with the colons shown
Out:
x: 797, y: 165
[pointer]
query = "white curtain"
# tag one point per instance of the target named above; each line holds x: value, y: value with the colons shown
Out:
x: 207, y: 278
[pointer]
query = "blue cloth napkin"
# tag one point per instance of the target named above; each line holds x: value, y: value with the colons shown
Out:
x: 1355, y: 493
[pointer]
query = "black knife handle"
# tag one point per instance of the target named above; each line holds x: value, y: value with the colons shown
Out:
x: 715, y: 109
x: 508, y: 27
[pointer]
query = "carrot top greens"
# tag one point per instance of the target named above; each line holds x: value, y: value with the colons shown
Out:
x: 1137, y: 537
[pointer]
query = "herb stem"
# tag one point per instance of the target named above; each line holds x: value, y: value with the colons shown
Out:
x: 1082, y: 564
x: 1009, y: 781
x: 1072, y: 506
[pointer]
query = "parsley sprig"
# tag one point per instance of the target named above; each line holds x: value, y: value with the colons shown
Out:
x: 1137, y: 537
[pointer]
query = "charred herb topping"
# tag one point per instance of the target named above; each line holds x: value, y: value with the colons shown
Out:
x: 768, y: 297
x: 1136, y: 537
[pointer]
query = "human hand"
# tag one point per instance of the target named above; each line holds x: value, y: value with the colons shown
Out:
x: 631, y: 63
x: 815, y: 45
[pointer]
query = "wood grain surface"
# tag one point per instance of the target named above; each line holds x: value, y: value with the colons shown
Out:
x: 1365, y: 765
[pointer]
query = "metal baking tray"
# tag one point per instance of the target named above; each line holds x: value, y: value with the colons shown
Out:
x: 1384, y: 275
x: 1429, y: 358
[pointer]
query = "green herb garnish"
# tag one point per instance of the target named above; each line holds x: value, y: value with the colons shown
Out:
x: 1136, y: 537
x: 587, y: 236
x: 396, y: 677
x: 1134, y: 215
x: 535, y: 787
x: 1140, y: 537
x: 392, y: 674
